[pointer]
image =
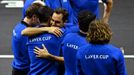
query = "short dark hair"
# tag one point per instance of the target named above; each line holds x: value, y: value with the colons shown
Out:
x: 45, y: 13
x: 99, y: 32
x: 62, y: 11
x: 37, y: 4
x: 33, y: 10
x: 85, y: 17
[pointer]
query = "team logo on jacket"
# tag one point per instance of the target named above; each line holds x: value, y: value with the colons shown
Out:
x: 72, y: 46
x: 39, y: 39
x: 95, y: 56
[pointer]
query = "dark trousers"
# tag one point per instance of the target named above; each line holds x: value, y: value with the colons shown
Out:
x: 19, y: 72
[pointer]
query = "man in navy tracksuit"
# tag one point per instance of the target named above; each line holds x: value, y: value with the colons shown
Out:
x: 99, y: 57
x: 21, y: 62
x: 73, y: 41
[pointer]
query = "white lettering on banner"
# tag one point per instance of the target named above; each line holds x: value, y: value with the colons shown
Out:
x: 13, y: 3
x: 96, y: 56
x: 72, y: 46
x: 40, y: 39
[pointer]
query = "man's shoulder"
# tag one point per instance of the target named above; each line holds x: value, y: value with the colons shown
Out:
x: 71, y: 34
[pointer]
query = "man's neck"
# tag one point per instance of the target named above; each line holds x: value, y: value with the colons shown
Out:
x: 26, y: 20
